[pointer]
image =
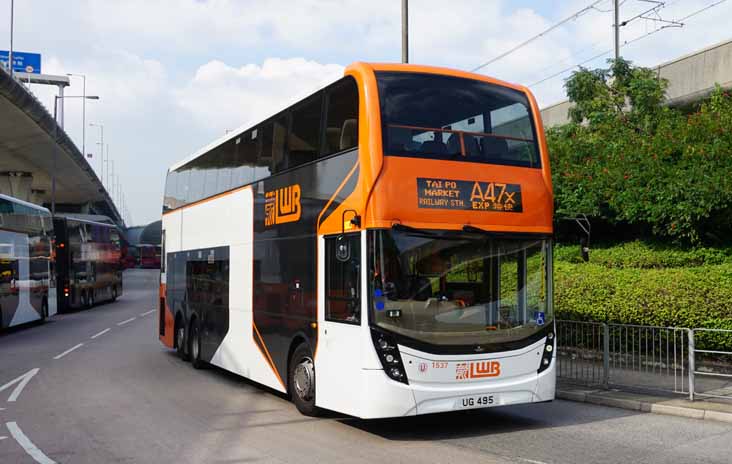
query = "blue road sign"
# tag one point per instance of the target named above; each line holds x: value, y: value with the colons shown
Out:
x: 22, y: 61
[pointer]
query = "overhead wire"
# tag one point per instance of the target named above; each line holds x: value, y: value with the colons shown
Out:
x: 636, y: 39
x: 572, y: 17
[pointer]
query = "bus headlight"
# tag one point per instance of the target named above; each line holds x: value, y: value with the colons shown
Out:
x: 389, y: 356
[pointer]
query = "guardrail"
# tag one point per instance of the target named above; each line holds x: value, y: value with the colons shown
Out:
x: 713, y: 365
x: 632, y: 356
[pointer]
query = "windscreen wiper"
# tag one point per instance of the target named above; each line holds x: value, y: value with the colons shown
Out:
x: 467, y: 228
x: 411, y: 230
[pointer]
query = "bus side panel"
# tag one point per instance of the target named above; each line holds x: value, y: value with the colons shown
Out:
x: 286, y: 211
x: 239, y: 352
x: 171, y: 226
x: 16, y: 289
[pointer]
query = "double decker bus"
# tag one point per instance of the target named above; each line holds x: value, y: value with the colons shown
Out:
x: 380, y: 248
x: 26, y: 276
x: 88, y: 262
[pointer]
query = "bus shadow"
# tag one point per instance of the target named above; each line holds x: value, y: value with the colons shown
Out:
x: 482, y: 422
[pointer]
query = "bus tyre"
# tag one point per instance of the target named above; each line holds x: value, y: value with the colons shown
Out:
x: 180, y: 339
x: 195, y: 348
x: 114, y: 293
x: 92, y: 300
x: 301, y: 380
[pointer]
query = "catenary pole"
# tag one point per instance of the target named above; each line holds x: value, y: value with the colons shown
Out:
x: 617, y: 29
x: 405, y: 31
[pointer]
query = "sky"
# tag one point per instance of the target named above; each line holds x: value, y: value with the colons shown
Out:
x: 175, y: 75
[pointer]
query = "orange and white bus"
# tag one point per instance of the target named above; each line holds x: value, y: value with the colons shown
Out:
x: 380, y: 248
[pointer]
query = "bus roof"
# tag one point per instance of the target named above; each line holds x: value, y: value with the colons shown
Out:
x: 24, y: 203
x: 403, y: 67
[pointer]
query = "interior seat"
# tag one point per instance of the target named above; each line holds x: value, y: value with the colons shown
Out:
x: 349, y: 134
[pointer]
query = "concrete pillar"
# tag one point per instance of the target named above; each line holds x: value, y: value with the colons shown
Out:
x: 16, y: 184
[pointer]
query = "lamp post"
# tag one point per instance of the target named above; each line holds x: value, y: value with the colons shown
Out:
x: 83, y: 112
x: 10, y: 53
x: 101, y: 151
x: 55, y: 144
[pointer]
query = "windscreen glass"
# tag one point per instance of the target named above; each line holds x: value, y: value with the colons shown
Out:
x: 451, y: 118
x: 447, y: 288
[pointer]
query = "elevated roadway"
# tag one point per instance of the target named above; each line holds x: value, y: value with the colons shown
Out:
x: 691, y: 78
x: 26, y: 157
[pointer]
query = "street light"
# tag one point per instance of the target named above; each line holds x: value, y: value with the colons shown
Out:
x: 83, y: 112
x: 101, y: 158
x: 56, y: 98
x: 10, y: 53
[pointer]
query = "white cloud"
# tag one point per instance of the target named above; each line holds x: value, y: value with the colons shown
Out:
x: 221, y: 96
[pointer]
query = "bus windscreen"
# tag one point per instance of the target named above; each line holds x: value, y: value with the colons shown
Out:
x: 451, y: 118
x: 449, y: 288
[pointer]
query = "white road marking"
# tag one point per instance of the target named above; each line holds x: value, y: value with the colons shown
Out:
x: 126, y: 321
x: 22, y: 381
x: 532, y: 461
x: 3, y: 438
x: 59, y: 356
x: 149, y: 312
x: 28, y: 445
x: 100, y: 333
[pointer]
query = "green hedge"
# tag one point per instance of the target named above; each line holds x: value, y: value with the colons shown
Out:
x: 678, y: 297
x: 644, y: 255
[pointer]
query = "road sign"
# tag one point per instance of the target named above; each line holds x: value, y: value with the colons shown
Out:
x: 22, y: 61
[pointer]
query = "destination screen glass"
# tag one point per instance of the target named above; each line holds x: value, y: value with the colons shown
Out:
x: 450, y: 118
x: 455, y: 288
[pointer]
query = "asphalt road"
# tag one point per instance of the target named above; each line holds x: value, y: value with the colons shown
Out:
x: 121, y: 397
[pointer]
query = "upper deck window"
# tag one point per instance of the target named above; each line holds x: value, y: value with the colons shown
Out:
x: 444, y: 117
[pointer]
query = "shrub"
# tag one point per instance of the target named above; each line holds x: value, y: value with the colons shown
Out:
x: 674, y: 297
x: 645, y: 255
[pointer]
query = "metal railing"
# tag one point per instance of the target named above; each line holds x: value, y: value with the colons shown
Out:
x: 623, y: 355
x: 712, y: 364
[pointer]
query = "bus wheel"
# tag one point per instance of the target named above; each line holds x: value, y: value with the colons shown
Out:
x: 92, y: 300
x: 114, y: 293
x: 195, y: 350
x: 180, y: 339
x: 301, y: 381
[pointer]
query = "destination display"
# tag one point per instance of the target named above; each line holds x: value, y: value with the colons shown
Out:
x: 468, y: 195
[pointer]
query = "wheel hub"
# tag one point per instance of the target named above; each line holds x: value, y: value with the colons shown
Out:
x: 181, y: 334
x: 304, y: 377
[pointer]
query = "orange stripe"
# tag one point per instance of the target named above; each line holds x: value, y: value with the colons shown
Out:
x: 338, y: 190
x: 267, y: 357
x: 218, y: 195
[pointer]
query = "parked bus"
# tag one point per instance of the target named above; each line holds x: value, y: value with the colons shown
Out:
x: 25, y: 263
x: 380, y: 248
x: 88, y: 262
x: 149, y: 256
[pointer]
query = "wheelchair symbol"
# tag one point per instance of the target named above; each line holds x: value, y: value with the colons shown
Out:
x: 539, y: 318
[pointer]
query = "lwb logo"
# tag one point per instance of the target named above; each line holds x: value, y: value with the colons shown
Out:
x: 282, y: 205
x: 477, y: 370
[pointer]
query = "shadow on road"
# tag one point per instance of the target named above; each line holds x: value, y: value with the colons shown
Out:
x: 482, y: 422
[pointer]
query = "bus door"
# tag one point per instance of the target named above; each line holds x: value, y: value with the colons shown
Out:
x: 338, y: 360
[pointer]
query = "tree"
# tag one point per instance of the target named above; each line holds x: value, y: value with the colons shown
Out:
x: 627, y: 158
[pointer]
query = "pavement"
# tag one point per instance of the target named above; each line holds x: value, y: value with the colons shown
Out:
x: 642, y: 402
x: 85, y: 394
